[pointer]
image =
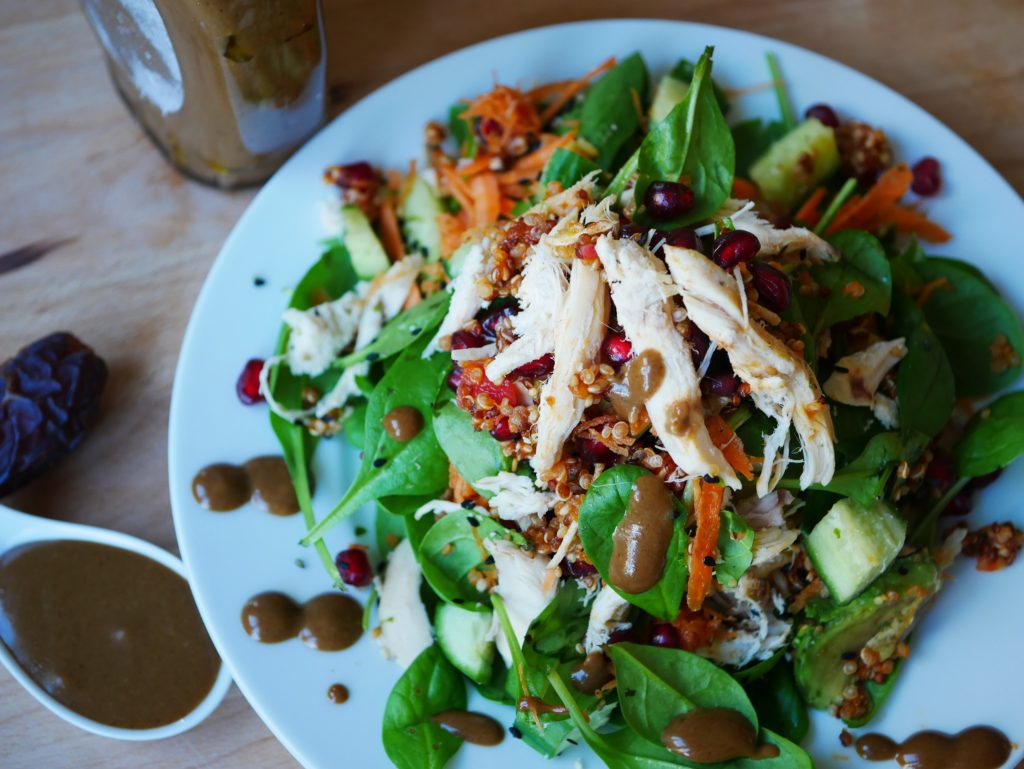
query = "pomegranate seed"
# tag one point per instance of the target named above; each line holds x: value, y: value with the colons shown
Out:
x: 699, y: 343
x: 463, y: 340
x: 927, y: 177
x: 593, y: 452
x: 489, y: 322
x: 455, y: 377
x: 773, y: 288
x: 248, y: 384
x: 735, y: 246
x: 625, y: 635
x: 634, y: 231
x: 586, y: 250
x: 488, y: 126
x: 824, y: 114
x: 354, y: 567
x: 961, y: 504
x: 668, y: 200
x: 680, y: 237
x: 725, y: 384
x: 535, y: 369
x: 354, y: 175
x: 578, y: 569
x: 665, y: 635
x: 502, y: 431
x: 979, y: 483
x: 941, y: 472
x: 617, y: 348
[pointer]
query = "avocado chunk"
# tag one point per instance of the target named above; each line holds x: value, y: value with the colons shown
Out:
x: 877, y: 619
x: 368, y: 256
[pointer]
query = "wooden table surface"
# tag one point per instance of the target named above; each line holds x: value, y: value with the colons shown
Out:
x: 74, y: 165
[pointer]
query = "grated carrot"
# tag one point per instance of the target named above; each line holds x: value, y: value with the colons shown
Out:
x: 572, y: 88
x: 486, y: 198
x: 456, y: 186
x: 507, y: 113
x: 743, y: 189
x: 452, y: 228
x: 390, y: 237
x: 809, y: 213
x: 862, y: 212
x: 530, y: 166
x: 482, y: 162
x: 707, y: 509
x: 910, y: 220
x: 925, y: 292
x: 730, y: 445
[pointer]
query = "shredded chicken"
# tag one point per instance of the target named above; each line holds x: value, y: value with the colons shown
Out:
x: 523, y: 584
x: 773, y: 240
x: 642, y: 293
x: 751, y: 631
x: 515, y: 498
x: 781, y: 384
x: 404, y: 626
x: 762, y: 512
x: 773, y: 548
x: 568, y: 199
x: 581, y: 328
x: 607, y: 614
x: 466, y: 301
x: 857, y: 377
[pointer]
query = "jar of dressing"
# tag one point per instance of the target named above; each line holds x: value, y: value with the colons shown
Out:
x: 227, y: 89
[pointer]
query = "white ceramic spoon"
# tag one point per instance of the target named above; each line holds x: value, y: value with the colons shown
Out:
x: 20, y: 529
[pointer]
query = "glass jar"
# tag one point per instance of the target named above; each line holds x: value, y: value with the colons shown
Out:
x: 227, y: 89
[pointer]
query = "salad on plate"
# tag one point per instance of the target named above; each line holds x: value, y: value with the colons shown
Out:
x: 668, y: 423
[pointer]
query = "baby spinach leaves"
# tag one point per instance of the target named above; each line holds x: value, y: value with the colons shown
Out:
x: 603, y: 507
x: 864, y: 478
x: 431, y: 685
x: 562, y: 625
x: 402, y: 330
x: 659, y: 684
x: 461, y: 130
x: 612, y: 110
x: 475, y: 453
x: 778, y: 702
x: 994, y: 438
x: 979, y: 331
x: 452, y: 549
x: 567, y: 167
x: 694, y: 142
x: 735, y: 548
x: 390, y: 467
x: 752, y: 138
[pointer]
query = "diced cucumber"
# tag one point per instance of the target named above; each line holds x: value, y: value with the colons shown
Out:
x: 667, y: 95
x: 466, y: 639
x: 419, y: 218
x: 797, y: 163
x: 456, y: 260
x: 369, y: 258
x: 853, y: 544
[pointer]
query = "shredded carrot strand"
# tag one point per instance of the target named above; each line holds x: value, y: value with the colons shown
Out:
x: 730, y: 445
x: 529, y: 166
x: 482, y: 162
x: 809, y: 213
x: 707, y: 508
x: 743, y: 189
x: 456, y: 186
x: 390, y: 237
x: 486, y: 198
x: 571, y: 89
x: 926, y: 291
x: 910, y: 220
x: 505, y: 113
x: 890, y: 187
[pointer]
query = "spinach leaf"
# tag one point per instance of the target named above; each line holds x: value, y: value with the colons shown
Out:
x: 979, y: 331
x: 612, y: 110
x: 778, y: 703
x: 452, y: 549
x: 693, y: 141
x: 864, y: 478
x: 394, y: 521
x: 603, y: 507
x: 924, y: 382
x: 658, y: 684
x: 431, y: 685
x: 683, y: 72
x: 461, y: 130
x: 475, y: 453
x: 388, y: 529
x: 562, y: 625
x: 752, y: 138
x: 330, y: 277
x: 854, y: 426
x: 354, y: 428
x: 859, y: 283
x: 994, y: 438
x: 567, y: 167
x: 402, y: 330
x: 735, y: 548
x: 758, y: 669
x: 390, y: 467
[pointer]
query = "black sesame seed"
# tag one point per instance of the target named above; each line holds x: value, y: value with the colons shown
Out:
x: 415, y: 330
x: 630, y: 692
x: 514, y: 731
x: 360, y: 531
x: 458, y: 600
x: 472, y: 521
x: 710, y: 479
x: 372, y: 355
x: 468, y: 504
x: 709, y: 560
x: 903, y: 571
x: 489, y: 560
x: 848, y: 655
x: 259, y: 281
x: 571, y: 741
x: 379, y: 462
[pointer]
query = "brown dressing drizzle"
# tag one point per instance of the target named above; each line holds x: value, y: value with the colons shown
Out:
x: 264, y: 481
x: 537, y: 706
x: 980, y: 747
x: 338, y: 694
x: 710, y: 735
x: 641, y: 378
x: 328, y: 622
x: 472, y: 727
x: 111, y: 634
x: 403, y: 423
x: 680, y: 417
x: 641, y: 539
x: 594, y: 672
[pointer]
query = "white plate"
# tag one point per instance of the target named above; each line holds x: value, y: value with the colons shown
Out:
x: 965, y: 666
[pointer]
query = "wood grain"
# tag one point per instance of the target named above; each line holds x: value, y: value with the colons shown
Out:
x: 74, y: 165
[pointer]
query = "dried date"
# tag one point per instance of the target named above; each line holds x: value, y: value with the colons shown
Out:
x: 49, y: 394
